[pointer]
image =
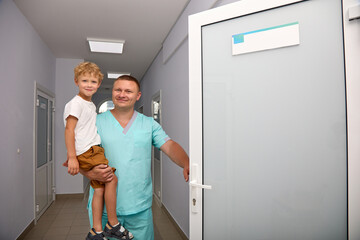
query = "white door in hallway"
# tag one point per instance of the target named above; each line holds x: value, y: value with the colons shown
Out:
x: 268, y: 122
x: 44, y: 152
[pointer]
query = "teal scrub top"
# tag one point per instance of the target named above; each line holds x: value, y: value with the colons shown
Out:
x: 129, y: 151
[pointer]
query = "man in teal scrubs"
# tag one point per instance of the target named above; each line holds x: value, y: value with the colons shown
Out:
x: 127, y: 137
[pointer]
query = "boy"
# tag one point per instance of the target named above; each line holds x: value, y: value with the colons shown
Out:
x: 83, y: 150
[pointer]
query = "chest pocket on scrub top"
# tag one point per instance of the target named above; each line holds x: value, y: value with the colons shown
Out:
x: 142, y: 140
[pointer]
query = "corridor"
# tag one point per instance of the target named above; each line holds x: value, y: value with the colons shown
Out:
x: 67, y: 219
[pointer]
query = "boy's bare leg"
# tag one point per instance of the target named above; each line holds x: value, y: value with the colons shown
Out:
x: 110, y: 200
x: 97, y: 208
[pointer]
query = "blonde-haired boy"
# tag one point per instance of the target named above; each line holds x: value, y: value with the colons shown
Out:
x: 83, y: 151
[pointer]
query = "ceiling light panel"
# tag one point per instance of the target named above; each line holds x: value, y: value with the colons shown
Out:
x: 115, y: 75
x: 105, y: 46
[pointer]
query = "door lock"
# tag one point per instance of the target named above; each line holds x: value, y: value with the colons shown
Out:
x: 196, y: 187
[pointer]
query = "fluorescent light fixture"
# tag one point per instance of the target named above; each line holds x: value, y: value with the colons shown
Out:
x: 115, y: 75
x: 106, y: 46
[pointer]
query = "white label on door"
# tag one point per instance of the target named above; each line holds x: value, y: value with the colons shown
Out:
x: 267, y: 38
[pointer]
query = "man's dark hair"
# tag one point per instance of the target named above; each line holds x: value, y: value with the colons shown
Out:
x: 129, y: 78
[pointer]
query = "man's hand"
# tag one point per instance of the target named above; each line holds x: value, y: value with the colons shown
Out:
x: 186, y: 172
x: 73, y: 166
x: 102, y: 173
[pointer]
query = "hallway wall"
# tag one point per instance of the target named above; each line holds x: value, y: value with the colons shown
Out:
x: 24, y: 59
x: 170, y: 73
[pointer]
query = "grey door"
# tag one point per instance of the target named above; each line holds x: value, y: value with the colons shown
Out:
x: 44, y: 172
x: 274, y: 129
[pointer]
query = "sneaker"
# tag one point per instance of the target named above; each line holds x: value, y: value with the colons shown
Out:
x: 118, y: 232
x: 98, y: 236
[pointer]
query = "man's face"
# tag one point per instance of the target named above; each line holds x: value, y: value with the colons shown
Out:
x: 125, y: 94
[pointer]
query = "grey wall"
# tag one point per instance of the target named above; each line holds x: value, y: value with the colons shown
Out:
x: 65, y: 91
x: 171, y: 79
x: 170, y: 73
x: 24, y: 58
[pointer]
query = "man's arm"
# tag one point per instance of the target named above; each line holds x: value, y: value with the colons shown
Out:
x: 72, y: 162
x: 177, y: 154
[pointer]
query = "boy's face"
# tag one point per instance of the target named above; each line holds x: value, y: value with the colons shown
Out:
x: 88, y: 85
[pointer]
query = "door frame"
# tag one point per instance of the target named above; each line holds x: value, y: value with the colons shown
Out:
x: 157, y: 95
x: 238, y: 9
x: 44, y: 92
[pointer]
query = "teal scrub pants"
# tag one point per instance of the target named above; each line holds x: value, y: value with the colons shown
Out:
x: 139, y: 224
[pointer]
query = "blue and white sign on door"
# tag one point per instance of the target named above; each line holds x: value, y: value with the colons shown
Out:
x: 267, y: 38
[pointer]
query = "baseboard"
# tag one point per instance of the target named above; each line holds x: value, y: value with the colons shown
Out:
x: 157, y: 200
x: 69, y: 195
x: 180, y: 231
x: 26, y: 231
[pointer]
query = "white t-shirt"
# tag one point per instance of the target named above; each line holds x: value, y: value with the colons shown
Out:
x: 85, y: 131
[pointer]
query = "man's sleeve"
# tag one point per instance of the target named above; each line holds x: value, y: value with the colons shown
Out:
x: 98, y: 123
x: 72, y: 108
x: 159, y: 137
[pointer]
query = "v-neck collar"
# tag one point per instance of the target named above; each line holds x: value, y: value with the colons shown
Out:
x: 129, y: 124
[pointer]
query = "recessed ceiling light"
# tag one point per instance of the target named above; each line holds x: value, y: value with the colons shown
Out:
x: 106, y: 46
x: 115, y: 75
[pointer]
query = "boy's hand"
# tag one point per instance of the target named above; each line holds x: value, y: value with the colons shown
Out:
x: 65, y: 164
x: 73, y: 166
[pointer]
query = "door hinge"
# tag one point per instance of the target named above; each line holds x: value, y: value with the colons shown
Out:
x: 354, y: 12
x: 37, y: 102
x: 37, y: 208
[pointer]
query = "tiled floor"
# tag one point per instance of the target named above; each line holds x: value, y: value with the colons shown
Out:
x: 67, y: 219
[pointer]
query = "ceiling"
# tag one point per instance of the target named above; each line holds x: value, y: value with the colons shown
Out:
x: 64, y: 25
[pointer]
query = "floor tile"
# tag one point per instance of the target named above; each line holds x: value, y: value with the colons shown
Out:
x: 57, y: 233
x: 67, y: 219
x: 79, y: 230
x: 76, y: 237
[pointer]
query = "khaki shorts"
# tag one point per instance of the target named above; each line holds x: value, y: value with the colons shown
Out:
x: 91, y: 158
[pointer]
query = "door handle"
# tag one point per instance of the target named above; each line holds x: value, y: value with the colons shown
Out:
x: 193, y: 183
x: 195, y: 187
